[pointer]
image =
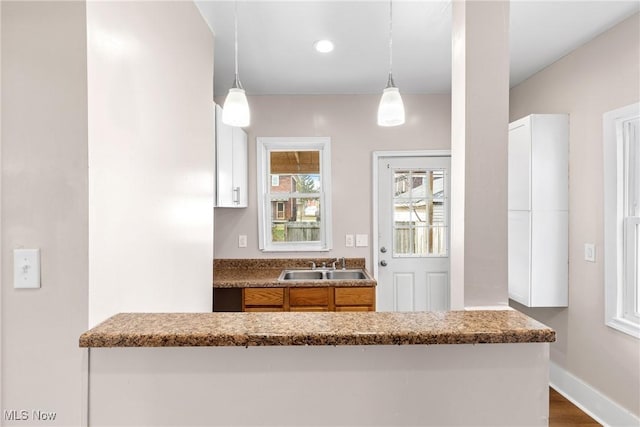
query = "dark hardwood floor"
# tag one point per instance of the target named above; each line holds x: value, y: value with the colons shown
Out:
x: 563, y: 413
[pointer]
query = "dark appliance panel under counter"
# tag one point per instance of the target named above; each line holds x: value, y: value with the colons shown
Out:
x: 227, y: 299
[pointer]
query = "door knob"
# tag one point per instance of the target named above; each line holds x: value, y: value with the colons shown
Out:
x: 383, y: 250
x: 383, y: 263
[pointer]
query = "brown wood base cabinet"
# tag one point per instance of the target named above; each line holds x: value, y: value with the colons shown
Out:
x: 311, y: 299
x: 263, y: 299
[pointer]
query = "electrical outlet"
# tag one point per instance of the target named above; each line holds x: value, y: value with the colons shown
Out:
x: 242, y: 241
x: 590, y: 252
x: 348, y: 240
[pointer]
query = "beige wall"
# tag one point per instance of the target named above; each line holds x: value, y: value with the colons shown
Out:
x: 1, y: 244
x: 44, y: 204
x: 600, y: 76
x: 145, y: 117
x: 151, y: 165
x: 350, y: 121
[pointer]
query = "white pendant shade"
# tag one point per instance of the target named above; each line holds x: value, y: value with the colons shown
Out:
x: 236, y: 109
x: 391, y: 108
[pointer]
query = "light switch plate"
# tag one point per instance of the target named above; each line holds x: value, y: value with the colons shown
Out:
x: 26, y: 268
x: 590, y: 252
x: 362, y: 240
x: 348, y: 240
x: 242, y: 241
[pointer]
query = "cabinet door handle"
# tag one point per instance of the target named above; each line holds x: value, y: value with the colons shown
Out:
x: 236, y: 195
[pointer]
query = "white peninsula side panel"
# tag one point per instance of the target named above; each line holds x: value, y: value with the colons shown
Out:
x: 417, y: 385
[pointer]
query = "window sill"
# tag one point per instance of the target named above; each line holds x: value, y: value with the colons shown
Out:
x: 296, y: 249
x: 624, y: 326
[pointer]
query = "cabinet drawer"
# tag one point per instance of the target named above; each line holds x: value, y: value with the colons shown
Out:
x: 263, y: 309
x: 355, y: 296
x: 309, y: 308
x: 355, y: 308
x: 264, y: 296
x: 309, y: 296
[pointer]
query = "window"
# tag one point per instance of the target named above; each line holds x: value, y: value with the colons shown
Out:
x: 419, y: 220
x: 621, y: 131
x: 294, y: 194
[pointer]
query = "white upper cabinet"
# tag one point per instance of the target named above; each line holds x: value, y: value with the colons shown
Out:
x: 538, y: 227
x: 231, y: 165
x: 538, y: 163
x: 519, y: 176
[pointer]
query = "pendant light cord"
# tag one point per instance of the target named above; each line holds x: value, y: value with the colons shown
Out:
x: 235, y: 24
x: 390, y: 37
x: 235, y: 111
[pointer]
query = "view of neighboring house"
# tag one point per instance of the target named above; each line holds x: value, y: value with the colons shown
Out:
x: 283, y: 209
x: 294, y: 218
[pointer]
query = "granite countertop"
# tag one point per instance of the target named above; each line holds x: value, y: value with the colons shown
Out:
x: 268, y: 278
x: 237, y: 278
x: 248, y: 273
x: 342, y: 328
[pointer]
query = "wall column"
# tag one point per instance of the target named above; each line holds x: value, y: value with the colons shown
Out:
x: 479, y: 120
x: 44, y: 205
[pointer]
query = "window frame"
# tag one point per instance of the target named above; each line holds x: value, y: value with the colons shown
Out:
x: 264, y: 146
x: 620, y: 240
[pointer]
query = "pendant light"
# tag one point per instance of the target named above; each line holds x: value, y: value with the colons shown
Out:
x: 391, y: 108
x: 236, y: 108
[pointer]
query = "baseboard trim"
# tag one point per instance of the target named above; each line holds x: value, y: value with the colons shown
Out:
x: 591, y: 401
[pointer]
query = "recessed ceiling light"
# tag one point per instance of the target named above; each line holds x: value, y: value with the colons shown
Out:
x: 323, y: 46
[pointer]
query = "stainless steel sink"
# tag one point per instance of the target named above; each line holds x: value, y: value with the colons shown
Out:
x: 346, y: 275
x: 301, y: 275
x: 323, y: 274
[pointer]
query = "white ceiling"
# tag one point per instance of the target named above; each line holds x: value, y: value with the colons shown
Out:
x: 276, y: 54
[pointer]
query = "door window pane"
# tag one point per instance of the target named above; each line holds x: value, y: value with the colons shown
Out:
x: 419, y: 213
x: 438, y: 241
x: 420, y: 241
x: 401, y: 241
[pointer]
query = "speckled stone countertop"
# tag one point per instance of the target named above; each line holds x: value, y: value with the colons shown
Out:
x: 250, y: 273
x: 342, y: 328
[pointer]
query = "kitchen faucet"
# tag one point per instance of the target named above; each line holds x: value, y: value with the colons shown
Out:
x: 342, y: 262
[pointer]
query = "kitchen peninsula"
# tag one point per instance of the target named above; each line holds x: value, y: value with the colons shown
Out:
x: 303, y: 369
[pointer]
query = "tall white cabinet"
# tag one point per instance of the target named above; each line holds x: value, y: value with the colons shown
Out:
x: 231, y: 165
x: 538, y: 203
